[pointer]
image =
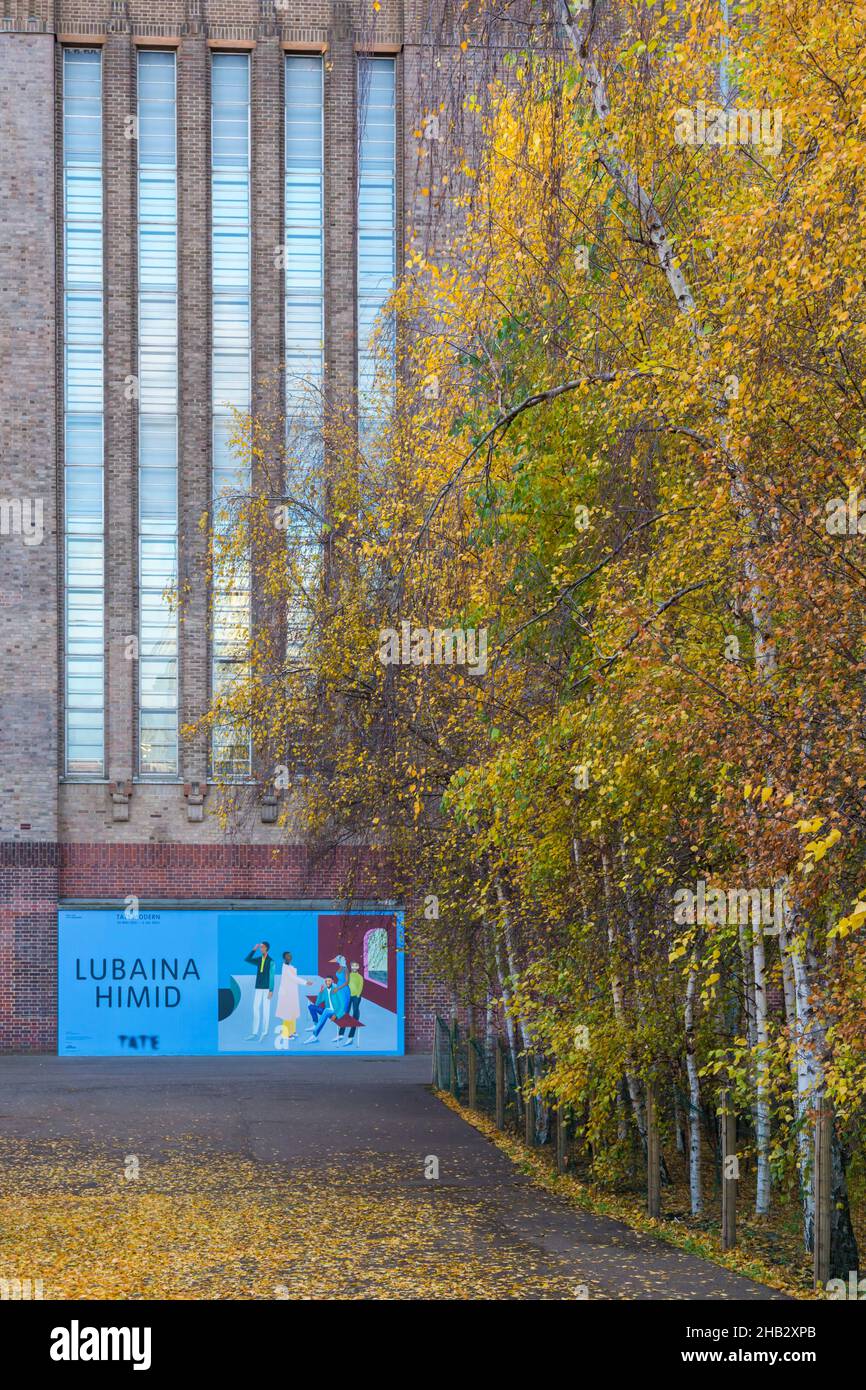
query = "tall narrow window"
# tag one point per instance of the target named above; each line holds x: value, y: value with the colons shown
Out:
x: 377, y: 218
x: 304, y: 212
x: 304, y: 320
x: 230, y: 375
x: 157, y: 419
x: 84, y: 539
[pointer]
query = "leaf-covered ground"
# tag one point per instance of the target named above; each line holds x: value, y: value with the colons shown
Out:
x: 234, y: 1178
x: 195, y: 1225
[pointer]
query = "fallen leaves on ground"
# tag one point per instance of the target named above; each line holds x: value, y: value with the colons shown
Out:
x: 199, y: 1225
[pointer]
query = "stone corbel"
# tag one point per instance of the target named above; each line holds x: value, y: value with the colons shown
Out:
x: 121, y: 795
x: 195, y: 793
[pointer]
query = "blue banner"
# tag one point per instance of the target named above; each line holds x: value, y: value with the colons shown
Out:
x: 195, y: 983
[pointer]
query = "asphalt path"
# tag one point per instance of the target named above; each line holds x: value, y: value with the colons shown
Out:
x: 358, y: 1117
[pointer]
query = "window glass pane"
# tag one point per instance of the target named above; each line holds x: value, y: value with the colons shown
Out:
x: 82, y: 106
x: 304, y: 234
x: 84, y: 741
x: 158, y: 742
x: 377, y: 220
x: 230, y: 369
x: 83, y: 375
x: 230, y: 110
x: 157, y: 419
x: 304, y: 304
x: 83, y: 499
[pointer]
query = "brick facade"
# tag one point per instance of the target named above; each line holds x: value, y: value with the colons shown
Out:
x: 157, y: 873
x: 29, y: 610
x: 61, y: 839
x: 29, y: 891
x: 35, y: 878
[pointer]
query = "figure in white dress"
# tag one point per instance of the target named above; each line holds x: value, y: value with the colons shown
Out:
x: 288, y: 1002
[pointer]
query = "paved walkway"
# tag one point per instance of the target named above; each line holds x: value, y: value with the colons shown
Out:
x: 347, y: 1208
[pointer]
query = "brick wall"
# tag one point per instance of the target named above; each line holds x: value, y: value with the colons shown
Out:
x: 28, y: 565
x: 35, y: 877
x: 29, y: 876
x: 61, y: 838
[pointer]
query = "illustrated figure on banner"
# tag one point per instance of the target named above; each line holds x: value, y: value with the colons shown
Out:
x: 264, y: 989
x: 288, y: 1002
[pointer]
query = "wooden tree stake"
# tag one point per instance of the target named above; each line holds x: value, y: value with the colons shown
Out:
x: 653, y: 1188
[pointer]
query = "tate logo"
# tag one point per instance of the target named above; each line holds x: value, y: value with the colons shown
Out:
x: 76, y: 1343
x: 143, y: 1042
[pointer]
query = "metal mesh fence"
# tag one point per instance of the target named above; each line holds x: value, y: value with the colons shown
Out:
x: 467, y: 1068
x: 487, y: 1075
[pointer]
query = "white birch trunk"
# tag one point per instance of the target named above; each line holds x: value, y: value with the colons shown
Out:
x: 804, y: 1146
x: 811, y: 1053
x: 579, y: 32
x: 762, y: 1104
x: 509, y: 1022
x: 513, y: 1040
x: 788, y: 983
x: 619, y: 1000
x: 810, y: 1037
x: 808, y: 1052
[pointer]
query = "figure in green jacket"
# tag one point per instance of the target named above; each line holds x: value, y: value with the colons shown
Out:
x: 264, y: 990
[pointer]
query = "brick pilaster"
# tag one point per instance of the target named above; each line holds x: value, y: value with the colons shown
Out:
x: 193, y: 119
x: 121, y: 366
